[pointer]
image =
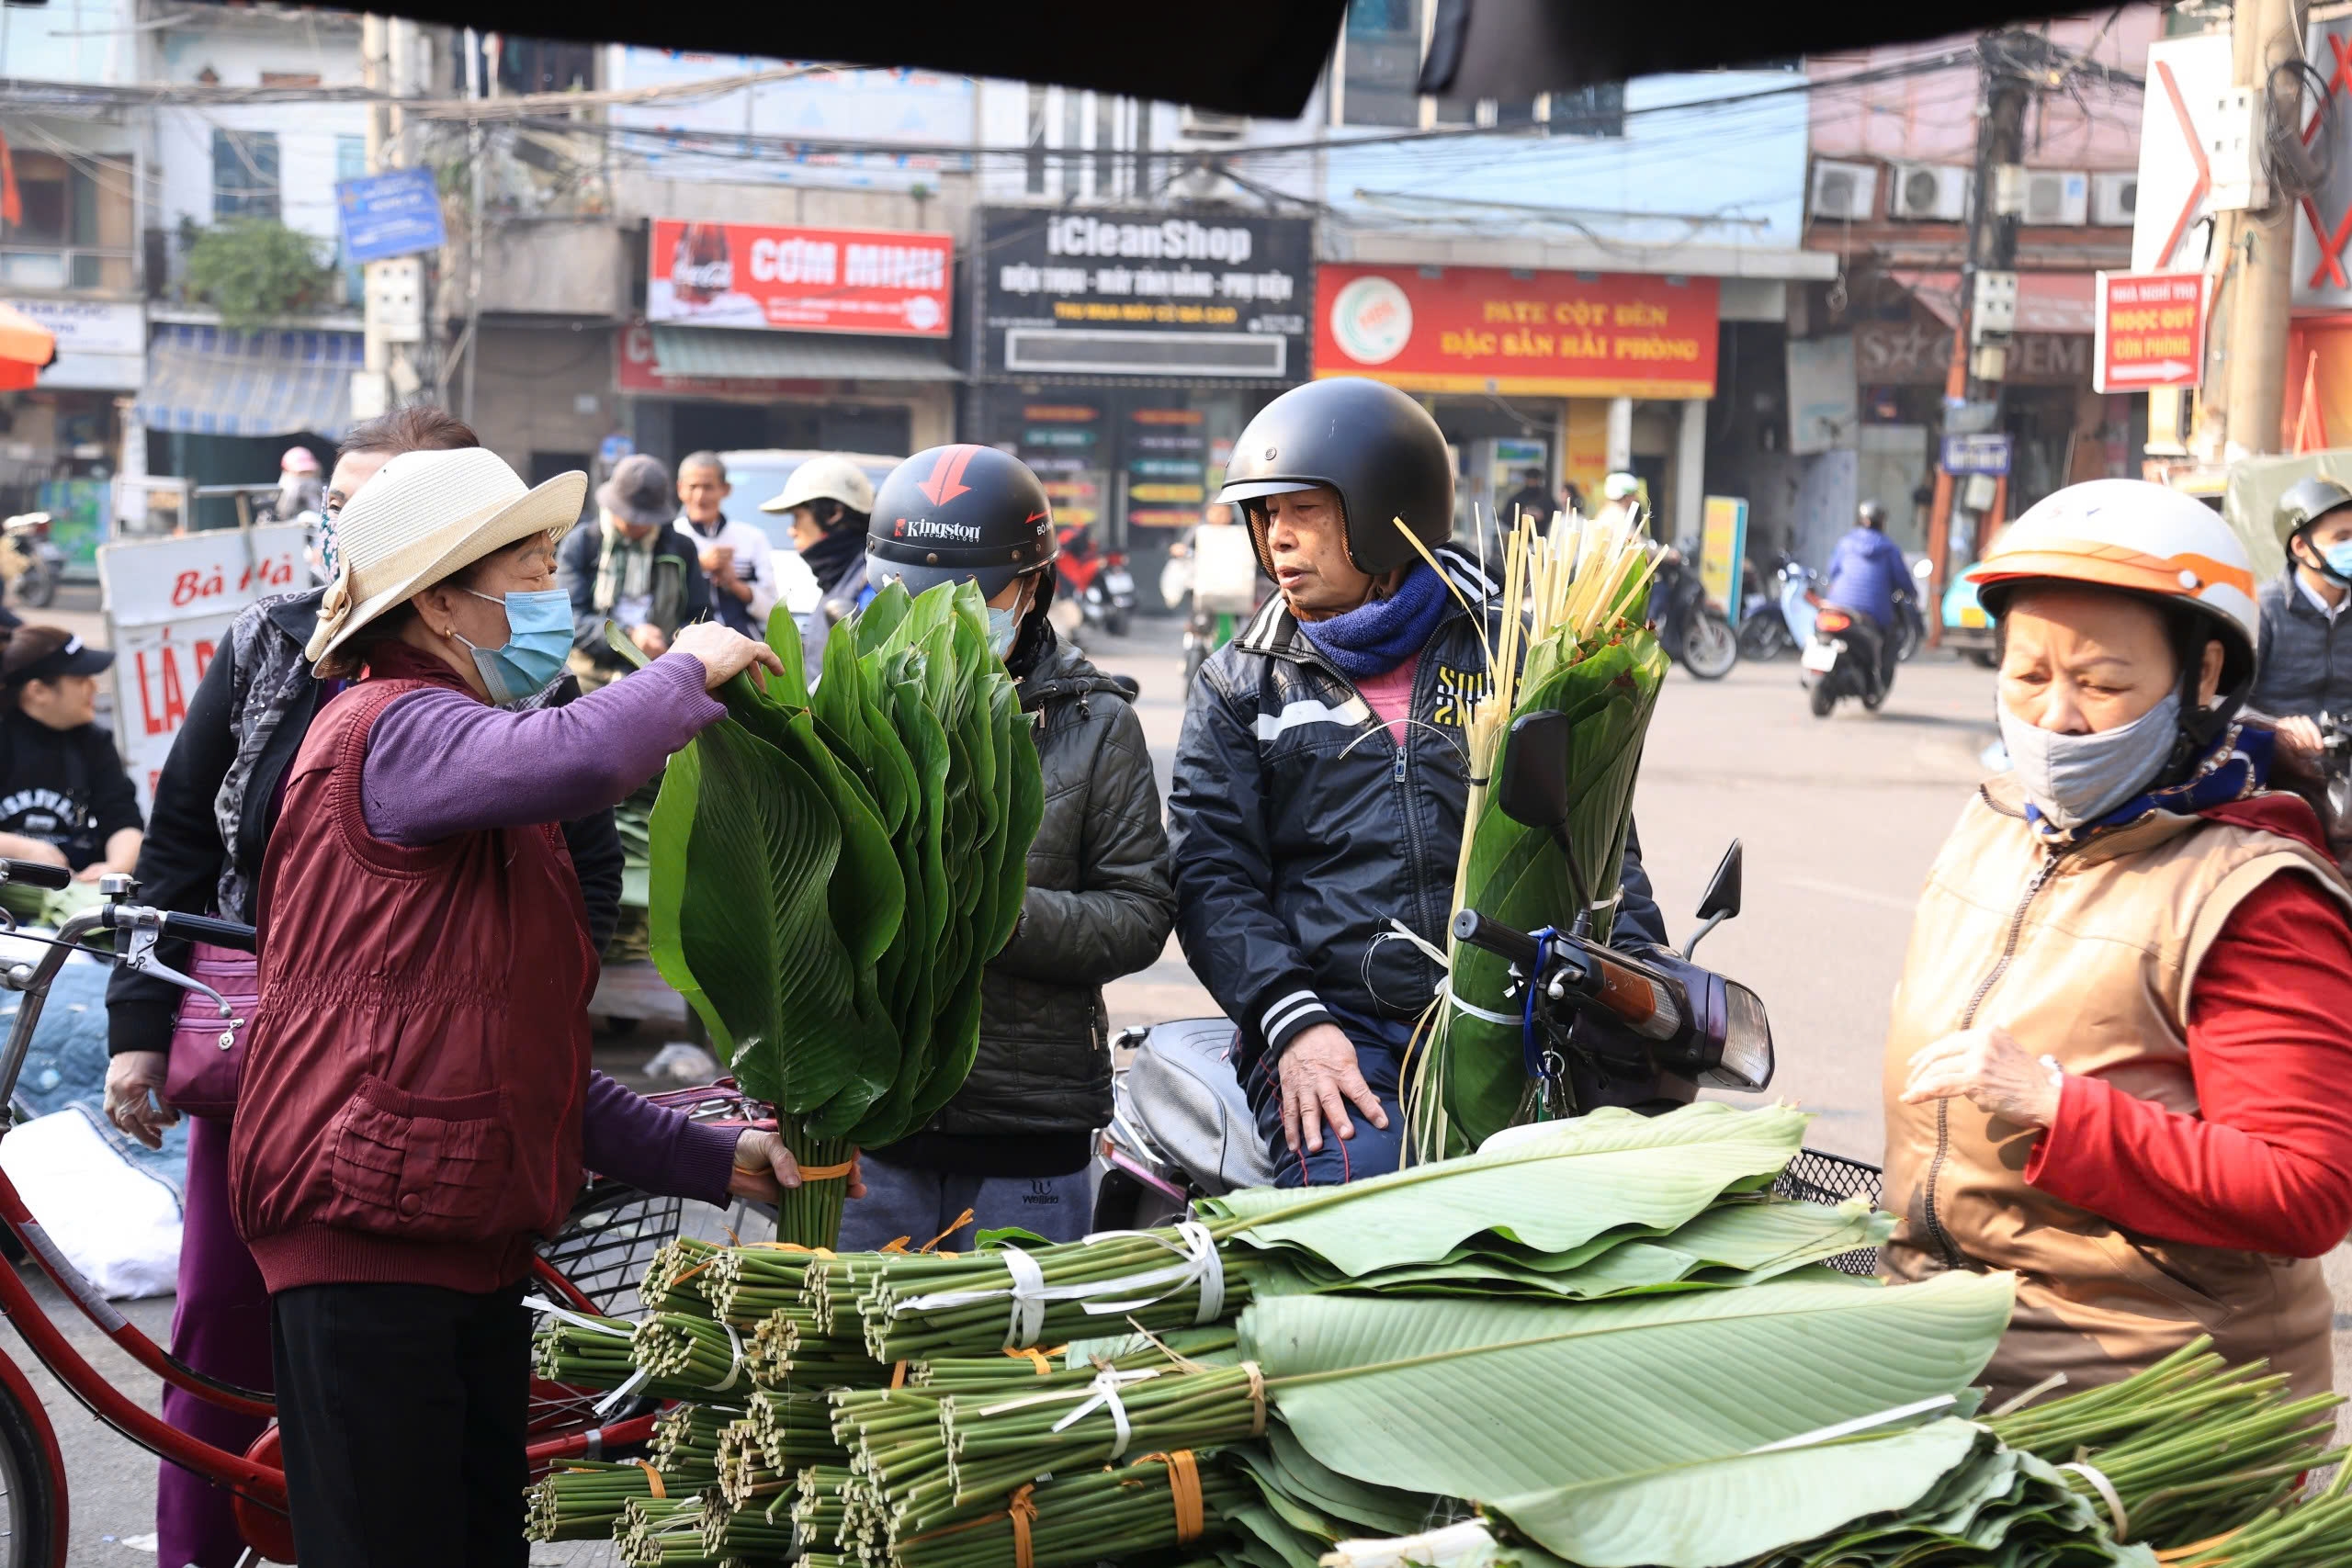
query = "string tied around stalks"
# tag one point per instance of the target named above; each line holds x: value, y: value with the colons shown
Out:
x: 1183, y: 1492
x: 2106, y: 1489
x: 1200, y: 1265
x: 652, y: 1476
x: 1020, y: 1508
x: 1104, y: 1391
x: 1257, y: 1398
x: 734, y: 1358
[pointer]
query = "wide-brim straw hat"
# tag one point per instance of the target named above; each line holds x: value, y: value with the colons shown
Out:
x: 424, y: 516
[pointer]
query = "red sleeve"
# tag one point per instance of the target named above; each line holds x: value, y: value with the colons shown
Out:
x: 2267, y: 1166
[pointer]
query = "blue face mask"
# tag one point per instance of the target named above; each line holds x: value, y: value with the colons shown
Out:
x: 1004, y: 629
x: 2339, y: 558
x: 538, y: 640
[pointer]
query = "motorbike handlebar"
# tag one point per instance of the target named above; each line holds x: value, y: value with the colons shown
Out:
x: 33, y: 873
x: 1514, y: 947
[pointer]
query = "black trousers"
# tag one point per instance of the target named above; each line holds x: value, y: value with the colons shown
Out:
x: 402, y: 1409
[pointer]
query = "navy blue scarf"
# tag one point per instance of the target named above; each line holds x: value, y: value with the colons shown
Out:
x: 1374, y: 638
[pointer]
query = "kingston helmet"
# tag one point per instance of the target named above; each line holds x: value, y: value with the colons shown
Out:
x: 959, y: 513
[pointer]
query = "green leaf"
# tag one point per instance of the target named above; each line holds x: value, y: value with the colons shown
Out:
x: 1560, y: 1185
x: 784, y: 640
x: 1704, y: 1512
x: 1495, y: 1399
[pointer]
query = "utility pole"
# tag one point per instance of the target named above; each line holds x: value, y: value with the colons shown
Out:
x: 391, y: 56
x: 2264, y: 35
x: 1980, y: 357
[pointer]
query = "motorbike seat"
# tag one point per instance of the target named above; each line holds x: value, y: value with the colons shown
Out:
x: 1181, y: 1091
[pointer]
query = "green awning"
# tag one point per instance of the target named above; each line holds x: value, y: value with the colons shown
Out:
x: 713, y: 352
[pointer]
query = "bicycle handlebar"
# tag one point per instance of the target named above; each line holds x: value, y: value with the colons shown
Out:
x: 33, y: 873
x: 205, y: 928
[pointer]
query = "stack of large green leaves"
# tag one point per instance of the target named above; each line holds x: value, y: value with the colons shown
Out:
x: 830, y: 874
x: 1577, y: 649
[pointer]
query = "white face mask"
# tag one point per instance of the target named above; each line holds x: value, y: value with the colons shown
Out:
x: 2074, y: 779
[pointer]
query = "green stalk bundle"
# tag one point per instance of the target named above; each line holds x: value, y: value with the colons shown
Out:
x: 663, y: 1533
x: 1577, y: 648
x: 832, y: 872
x: 677, y: 1276
x: 747, y: 1284
x: 905, y: 1320
x: 679, y: 1350
x: 2192, y: 1446
x: 821, y: 1506
x: 1083, y: 1519
x: 787, y: 1351
x: 584, y: 1500
x: 2315, y: 1532
x: 685, y: 1444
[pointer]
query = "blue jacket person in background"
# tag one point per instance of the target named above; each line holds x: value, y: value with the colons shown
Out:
x: 1867, y: 574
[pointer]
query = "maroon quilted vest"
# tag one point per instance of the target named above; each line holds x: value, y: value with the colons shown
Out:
x: 416, y: 1070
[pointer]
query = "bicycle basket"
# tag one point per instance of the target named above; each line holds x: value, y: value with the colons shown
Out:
x: 610, y: 1237
x: 1818, y: 1177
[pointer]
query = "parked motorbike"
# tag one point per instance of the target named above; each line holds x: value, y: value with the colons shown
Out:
x: 37, y: 561
x: 1182, y: 1127
x: 1096, y: 580
x: 1763, y: 630
x: 1694, y: 632
x: 1841, y: 662
x: 1910, y: 623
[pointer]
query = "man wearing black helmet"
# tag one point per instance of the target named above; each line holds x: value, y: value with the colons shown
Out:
x: 2305, y: 668
x: 1013, y: 1145
x: 1320, y: 785
x: 1866, y: 576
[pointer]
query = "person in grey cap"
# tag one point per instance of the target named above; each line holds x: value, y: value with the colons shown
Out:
x: 634, y: 570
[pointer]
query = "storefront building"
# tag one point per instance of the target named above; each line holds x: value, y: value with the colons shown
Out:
x: 1120, y: 353
x: 62, y: 441
x: 1563, y: 375
x: 772, y: 336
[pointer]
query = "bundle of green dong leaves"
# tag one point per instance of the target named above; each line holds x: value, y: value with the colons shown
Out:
x: 831, y: 871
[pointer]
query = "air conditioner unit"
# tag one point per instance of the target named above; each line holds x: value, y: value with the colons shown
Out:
x: 2055, y: 197
x: 2115, y: 199
x: 1935, y: 193
x: 1205, y: 125
x: 1845, y: 192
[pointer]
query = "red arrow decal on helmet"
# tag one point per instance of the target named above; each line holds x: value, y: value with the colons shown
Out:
x: 947, y: 482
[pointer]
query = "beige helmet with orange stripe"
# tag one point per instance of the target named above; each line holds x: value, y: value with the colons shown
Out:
x: 2146, y: 540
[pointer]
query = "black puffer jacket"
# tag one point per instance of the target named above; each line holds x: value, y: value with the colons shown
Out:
x: 1098, y: 907
x: 2306, y: 665
x: 1302, y: 831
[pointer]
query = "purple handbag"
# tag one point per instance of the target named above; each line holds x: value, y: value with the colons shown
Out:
x: 208, y: 1051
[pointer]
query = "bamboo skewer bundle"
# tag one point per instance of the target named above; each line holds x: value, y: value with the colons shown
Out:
x: 584, y: 1500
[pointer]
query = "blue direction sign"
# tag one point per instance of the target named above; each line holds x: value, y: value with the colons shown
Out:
x: 396, y: 213
x: 1986, y: 453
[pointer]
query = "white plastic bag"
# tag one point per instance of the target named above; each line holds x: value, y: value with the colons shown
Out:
x: 116, y: 1224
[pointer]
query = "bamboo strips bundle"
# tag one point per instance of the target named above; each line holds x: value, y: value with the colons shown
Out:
x: 584, y: 1500
x: 745, y: 1284
x: 685, y: 1447
x: 1160, y: 1501
x: 786, y: 1350
x: 674, y: 1276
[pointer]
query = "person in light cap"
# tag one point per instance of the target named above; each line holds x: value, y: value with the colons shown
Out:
x: 2119, y: 1047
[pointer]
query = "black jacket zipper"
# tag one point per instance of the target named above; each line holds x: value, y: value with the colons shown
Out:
x: 1945, y: 1246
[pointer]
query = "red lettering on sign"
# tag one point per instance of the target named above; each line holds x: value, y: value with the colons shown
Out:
x: 174, y: 703
x: 149, y: 720
x: 203, y: 659
x: 190, y: 586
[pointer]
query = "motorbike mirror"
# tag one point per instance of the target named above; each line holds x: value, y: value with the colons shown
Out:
x: 1535, y: 770
x: 1923, y: 569
x: 1720, y: 901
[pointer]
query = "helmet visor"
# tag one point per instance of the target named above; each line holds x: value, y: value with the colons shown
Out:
x: 1258, y: 489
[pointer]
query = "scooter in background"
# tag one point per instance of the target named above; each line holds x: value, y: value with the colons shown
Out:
x: 38, y: 562
x: 1096, y: 580
x: 1694, y: 632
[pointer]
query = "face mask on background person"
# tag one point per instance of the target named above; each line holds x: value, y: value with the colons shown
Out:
x: 2074, y: 779
x: 538, y: 639
x: 2338, y: 557
x: 1004, y: 626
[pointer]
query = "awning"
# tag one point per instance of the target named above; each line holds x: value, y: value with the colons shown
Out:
x: 26, y: 349
x: 211, y: 382
x: 2047, y: 301
x: 749, y: 354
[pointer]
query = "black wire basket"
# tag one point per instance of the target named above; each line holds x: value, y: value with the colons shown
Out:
x: 1817, y: 1177
x: 612, y: 1234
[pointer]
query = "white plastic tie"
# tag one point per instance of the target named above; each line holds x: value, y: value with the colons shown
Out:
x: 1028, y: 1318
x: 1859, y: 1424
x: 1212, y: 1305
x: 1104, y: 1391
x: 1509, y: 1019
x: 612, y: 1401
x: 2107, y: 1490
x: 594, y: 1324
x: 734, y: 1358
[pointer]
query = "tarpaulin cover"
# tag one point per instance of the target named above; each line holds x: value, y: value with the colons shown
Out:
x: 211, y: 382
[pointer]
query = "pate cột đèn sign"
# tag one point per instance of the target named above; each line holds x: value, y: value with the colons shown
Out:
x: 1543, y: 333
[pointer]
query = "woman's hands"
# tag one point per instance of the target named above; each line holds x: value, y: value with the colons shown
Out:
x: 134, y: 1096
x: 765, y: 1167
x: 2300, y: 734
x: 726, y: 653
x: 1992, y: 1071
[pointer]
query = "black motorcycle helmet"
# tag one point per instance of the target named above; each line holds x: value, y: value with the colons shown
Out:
x: 1874, y: 515
x: 2306, y: 502
x: 957, y: 512
x: 1377, y: 448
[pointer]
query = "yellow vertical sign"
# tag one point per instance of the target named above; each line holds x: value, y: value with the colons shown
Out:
x: 1723, y: 544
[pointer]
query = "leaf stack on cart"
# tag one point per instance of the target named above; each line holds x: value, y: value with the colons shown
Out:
x: 831, y: 871
x: 1598, y: 1343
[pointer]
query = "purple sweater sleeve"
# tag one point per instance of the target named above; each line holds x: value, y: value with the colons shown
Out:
x: 628, y: 1137
x: 440, y: 761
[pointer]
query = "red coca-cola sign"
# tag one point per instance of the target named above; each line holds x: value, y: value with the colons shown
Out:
x: 885, y: 281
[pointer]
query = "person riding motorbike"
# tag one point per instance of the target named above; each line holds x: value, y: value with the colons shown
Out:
x: 2306, y: 667
x: 299, y: 489
x: 1866, y: 575
x: 1320, y: 785
x: 829, y: 499
x: 1013, y: 1146
x: 2118, y: 1048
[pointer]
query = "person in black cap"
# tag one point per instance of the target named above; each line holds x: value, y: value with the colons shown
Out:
x: 64, y: 798
x: 634, y: 570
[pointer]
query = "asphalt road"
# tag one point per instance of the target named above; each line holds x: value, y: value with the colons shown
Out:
x: 1839, y: 820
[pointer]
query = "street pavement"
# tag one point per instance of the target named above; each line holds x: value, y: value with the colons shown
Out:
x: 1839, y: 819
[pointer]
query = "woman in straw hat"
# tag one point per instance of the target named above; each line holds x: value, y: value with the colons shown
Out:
x: 409, y: 1118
